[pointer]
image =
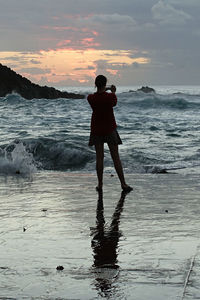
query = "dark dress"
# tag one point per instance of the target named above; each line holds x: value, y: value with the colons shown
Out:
x: 103, y: 124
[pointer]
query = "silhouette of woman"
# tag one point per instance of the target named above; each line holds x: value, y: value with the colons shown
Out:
x: 103, y: 130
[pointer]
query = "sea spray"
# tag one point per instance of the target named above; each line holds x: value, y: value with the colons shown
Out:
x: 15, y: 159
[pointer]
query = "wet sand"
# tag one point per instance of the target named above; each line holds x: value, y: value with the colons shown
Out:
x: 143, y: 245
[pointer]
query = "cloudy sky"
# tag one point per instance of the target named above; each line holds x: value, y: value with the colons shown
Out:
x: 132, y: 42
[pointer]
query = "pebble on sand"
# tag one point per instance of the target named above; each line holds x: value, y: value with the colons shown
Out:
x: 59, y: 268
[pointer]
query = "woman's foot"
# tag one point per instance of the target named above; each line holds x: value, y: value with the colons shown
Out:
x: 126, y: 188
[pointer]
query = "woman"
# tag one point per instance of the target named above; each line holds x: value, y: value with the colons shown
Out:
x: 103, y: 130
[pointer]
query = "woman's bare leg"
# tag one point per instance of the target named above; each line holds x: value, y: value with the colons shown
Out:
x: 118, y: 165
x: 99, y: 164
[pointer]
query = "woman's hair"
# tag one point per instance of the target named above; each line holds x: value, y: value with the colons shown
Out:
x: 100, y: 81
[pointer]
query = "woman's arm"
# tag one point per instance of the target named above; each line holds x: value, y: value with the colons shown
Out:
x: 113, y: 89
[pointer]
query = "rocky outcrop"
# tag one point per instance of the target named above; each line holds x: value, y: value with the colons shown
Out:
x: 10, y: 82
x: 146, y: 89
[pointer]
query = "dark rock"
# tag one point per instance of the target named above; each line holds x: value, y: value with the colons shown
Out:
x: 10, y: 82
x: 155, y: 170
x: 146, y: 89
x: 59, y: 268
x: 159, y: 171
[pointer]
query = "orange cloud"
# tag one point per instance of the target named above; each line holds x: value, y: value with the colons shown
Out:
x: 72, y: 65
x: 113, y: 72
x: 95, y: 33
x: 71, y: 28
x: 64, y: 43
x: 89, y: 42
x: 78, y: 37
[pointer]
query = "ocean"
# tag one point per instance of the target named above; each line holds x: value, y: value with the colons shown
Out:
x: 160, y: 132
x: 58, y: 233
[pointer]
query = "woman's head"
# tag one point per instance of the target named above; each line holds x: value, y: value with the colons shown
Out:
x: 100, y: 81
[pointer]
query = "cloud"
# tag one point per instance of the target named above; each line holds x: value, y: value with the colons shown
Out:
x: 166, y: 14
x: 186, y: 3
x: 20, y: 58
x: 86, y: 68
x: 64, y: 43
x: 89, y: 42
x: 120, y: 35
x: 35, y: 71
x: 35, y: 62
x: 14, y: 58
x: 136, y: 65
x: 114, y: 68
x: 113, y: 19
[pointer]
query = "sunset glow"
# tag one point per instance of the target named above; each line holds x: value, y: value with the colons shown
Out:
x: 69, y: 42
x: 61, y: 65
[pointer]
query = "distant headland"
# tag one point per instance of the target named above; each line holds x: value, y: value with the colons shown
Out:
x: 10, y: 82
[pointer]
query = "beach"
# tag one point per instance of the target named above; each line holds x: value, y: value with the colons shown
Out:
x: 143, y: 245
x: 77, y: 79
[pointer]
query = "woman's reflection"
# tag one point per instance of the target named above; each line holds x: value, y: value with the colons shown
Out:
x: 105, y: 244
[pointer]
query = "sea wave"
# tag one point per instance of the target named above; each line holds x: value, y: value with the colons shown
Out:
x: 58, y: 155
x: 30, y: 156
x: 157, y: 101
x: 159, y: 132
x: 12, y: 98
x: 47, y: 154
x: 177, y: 101
x: 15, y: 159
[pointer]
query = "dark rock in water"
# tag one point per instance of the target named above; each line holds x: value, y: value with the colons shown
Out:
x: 159, y: 171
x: 10, y: 82
x: 155, y: 170
x: 146, y: 89
x: 59, y: 268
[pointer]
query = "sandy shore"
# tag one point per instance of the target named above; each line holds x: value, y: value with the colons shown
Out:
x: 144, y: 245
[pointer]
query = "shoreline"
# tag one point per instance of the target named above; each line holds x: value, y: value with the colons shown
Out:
x: 145, y: 244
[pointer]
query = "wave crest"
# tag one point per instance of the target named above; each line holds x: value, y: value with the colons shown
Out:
x: 42, y: 153
x: 156, y: 101
x: 15, y: 159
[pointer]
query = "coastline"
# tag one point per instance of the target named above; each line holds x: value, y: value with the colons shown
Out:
x: 151, y: 237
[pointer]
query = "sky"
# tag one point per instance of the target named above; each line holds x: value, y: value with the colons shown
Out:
x: 132, y: 42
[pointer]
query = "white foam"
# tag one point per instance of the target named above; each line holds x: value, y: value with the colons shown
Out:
x: 17, y: 161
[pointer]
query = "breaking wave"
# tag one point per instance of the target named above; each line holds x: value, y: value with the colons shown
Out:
x: 177, y: 101
x: 29, y: 156
x: 15, y: 159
